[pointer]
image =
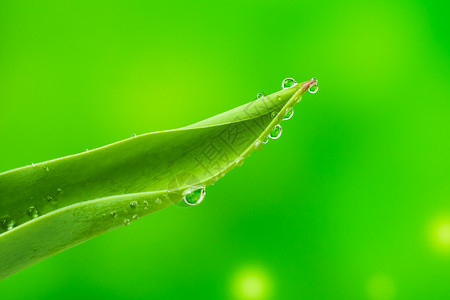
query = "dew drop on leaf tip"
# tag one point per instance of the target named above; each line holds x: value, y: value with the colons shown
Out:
x: 289, y: 114
x: 194, y: 195
x: 288, y: 82
x: 276, y: 132
x: 315, y: 87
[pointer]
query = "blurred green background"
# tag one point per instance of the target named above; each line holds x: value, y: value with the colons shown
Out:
x: 351, y: 203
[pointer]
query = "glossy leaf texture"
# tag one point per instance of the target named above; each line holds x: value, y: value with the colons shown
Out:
x: 52, y: 206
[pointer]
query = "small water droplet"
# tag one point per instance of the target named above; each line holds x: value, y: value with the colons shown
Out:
x: 46, y: 168
x: 314, y: 88
x: 145, y: 203
x: 288, y: 82
x: 87, y: 150
x: 32, y: 164
x: 266, y: 140
x: 289, y: 114
x: 51, y: 199
x: 260, y: 96
x: 158, y: 201
x: 194, y: 195
x: 134, y: 135
x: 276, y: 132
x: 59, y: 190
x: 134, y: 204
x: 135, y: 217
x: 33, y: 212
x: 259, y: 145
x: 127, y: 222
x: 7, y: 223
x: 113, y: 214
x: 273, y: 114
x: 239, y: 162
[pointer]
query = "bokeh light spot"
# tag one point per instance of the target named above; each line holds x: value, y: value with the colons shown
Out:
x: 440, y: 234
x: 380, y: 287
x: 251, y: 284
x: 443, y: 234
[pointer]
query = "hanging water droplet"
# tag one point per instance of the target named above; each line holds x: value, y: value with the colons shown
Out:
x: 33, y: 212
x: 315, y: 87
x: 158, y: 201
x: 239, y: 162
x: 7, y: 223
x: 194, y: 195
x: 289, y: 114
x: 266, y: 140
x: 276, y: 132
x: 127, y: 222
x: 134, y: 204
x: 113, y: 214
x: 260, y: 96
x: 135, y: 217
x: 259, y: 145
x: 288, y: 82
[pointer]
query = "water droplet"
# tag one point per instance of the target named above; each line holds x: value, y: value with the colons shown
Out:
x: 32, y: 164
x: 134, y: 135
x: 59, y: 190
x: 194, y: 195
x: 273, y: 114
x: 50, y: 199
x: 135, y: 217
x: 33, y: 212
x: 289, y: 114
x: 288, y: 82
x: 259, y: 145
x: 46, y: 168
x: 127, y: 222
x: 113, y: 214
x: 134, y: 204
x: 239, y: 162
x: 260, y: 96
x: 314, y: 88
x: 145, y: 203
x: 7, y: 223
x: 276, y: 132
x: 87, y: 150
x: 266, y: 140
x: 158, y: 201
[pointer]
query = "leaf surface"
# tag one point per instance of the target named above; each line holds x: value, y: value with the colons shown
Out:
x: 52, y: 206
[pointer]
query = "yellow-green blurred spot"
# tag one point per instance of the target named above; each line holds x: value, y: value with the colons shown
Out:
x: 440, y: 234
x: 251, y: 283
x: 443, y: 234
x: 380, y: 287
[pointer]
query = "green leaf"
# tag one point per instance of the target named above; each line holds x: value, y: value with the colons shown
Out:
x: 52, y: 206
